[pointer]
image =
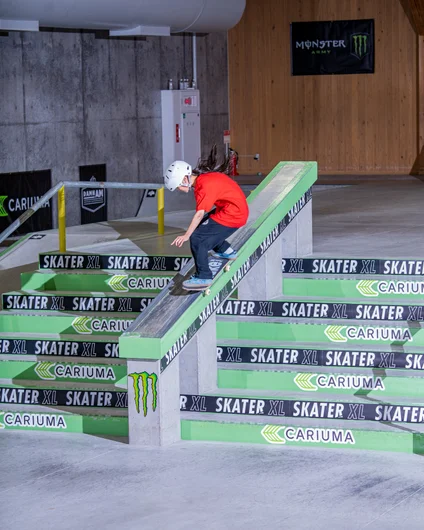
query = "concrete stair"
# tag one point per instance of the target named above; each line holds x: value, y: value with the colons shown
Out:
x: 336, y: 363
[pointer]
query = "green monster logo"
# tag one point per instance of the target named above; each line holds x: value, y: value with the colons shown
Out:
x: 3, y: 212
x: 141, y: 388
x: 360, y: 45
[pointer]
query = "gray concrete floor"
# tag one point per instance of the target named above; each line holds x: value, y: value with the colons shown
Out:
x: 61, y: 482
x: 74, y: 482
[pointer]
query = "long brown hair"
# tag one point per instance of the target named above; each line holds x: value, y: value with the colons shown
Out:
x: 212, y: 164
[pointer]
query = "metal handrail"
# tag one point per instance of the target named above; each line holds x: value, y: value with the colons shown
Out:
x: 60, y: 189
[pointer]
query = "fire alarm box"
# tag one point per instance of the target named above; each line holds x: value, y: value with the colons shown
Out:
x: 180, y: 126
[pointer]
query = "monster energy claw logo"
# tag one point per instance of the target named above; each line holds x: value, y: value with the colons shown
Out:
x: 360, y: 46
x: 141, y: 390
x: 3, y: 212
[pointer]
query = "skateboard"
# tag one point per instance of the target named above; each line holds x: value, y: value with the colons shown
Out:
x: 216, y: 265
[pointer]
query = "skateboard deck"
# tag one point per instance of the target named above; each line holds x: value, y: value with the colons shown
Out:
x: 216, y: 265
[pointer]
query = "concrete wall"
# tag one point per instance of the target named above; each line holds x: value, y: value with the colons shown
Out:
x: 71, y: 99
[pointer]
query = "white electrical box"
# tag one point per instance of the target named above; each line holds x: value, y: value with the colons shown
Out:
x: 180, y: 126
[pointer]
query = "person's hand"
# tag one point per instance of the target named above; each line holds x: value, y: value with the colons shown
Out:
x: 180, y: 240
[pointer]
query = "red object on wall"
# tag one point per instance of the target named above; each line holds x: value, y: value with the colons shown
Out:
x: 177, y: 134
x: 233, y: 163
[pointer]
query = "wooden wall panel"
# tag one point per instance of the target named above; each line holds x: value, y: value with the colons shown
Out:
x: 350, y: 124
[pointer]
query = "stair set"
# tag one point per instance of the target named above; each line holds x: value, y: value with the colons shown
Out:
x: 336, y: 362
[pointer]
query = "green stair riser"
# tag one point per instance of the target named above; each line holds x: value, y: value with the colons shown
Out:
x: 76, y: 303
x: 313, y: 359
x: 379, y: 387
x: 97, y: 283
x: 386, y: 289
x: 58, y: 397
x: 63, y: 325
x: 267, y: 407
x: 98, y: 374
x: 281, y: 436
x: 41, y: 421
x: 316, y: 333
x: 115, y: 262
x: 316, y: 310
x: 310, y: 383
x: 60, y: 348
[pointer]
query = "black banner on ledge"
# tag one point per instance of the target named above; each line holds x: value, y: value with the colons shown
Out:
x: 93, y: 200
x: 338, y: 47
x: 18, y: 192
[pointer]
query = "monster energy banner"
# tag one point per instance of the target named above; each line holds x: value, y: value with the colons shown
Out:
x: 18, y: 192
x: 302, y: 409
x: 311, y: 357
x: 93, y: 200
x: 391, y: 267
x: 110, y: 304
x: 113, y: 262
x: 321, y: 310
x: 63, y: 398
x: 339, y: 47
x: 225, y: 292
x: 61, y: 348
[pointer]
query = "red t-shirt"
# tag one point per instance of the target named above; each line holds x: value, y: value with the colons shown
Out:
x: 217, y: 189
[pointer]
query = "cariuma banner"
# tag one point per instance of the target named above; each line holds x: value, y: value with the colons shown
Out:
x: 18, y: 193
x: 338, y: 47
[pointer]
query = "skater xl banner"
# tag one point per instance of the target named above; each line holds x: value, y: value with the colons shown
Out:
x: 339, y: 47
x: 175, y: 316
x: 18, y: 192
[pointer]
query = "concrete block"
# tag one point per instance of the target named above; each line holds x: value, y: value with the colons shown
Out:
x: 122, y: 166
x: 176, y: 59
x: 264, y: 281
x: 12, y: 148
x: 38, y: 66
x: 66, y: 77
x: 289, y: 240
x: 69, y: 146
x: 203, y: 74
x: 96, y: 76
x: 41, y: 146
x: 148, y: 83
x: 123, y: 79
x: 217, y: 74
x: 149, y: 147
x: 153, y: 403
x: 304, y: 231
x: 11, y: 80
x: 297, y: 236
x: 53, y: 77
x: 198, y: 366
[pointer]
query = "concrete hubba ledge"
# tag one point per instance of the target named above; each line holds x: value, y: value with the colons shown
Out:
x: 184, y: 323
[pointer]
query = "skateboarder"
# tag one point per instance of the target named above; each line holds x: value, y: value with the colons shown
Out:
x: 212, y: 188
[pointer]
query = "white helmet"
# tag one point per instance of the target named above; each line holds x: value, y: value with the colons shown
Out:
x: 175, y: 174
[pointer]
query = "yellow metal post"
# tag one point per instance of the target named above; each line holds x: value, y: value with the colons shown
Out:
x: 61, y: 212
x: 161, y: 211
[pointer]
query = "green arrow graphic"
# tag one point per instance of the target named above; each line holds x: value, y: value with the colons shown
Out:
x: 3, y: 212
x: 1, y: 424
x: 303, y: 381
x: 270, y: 433
x: 116, y: 283
x: 365, y: 287
x: 334, y: 333
x: 81, y: 325
x: 43, y: 370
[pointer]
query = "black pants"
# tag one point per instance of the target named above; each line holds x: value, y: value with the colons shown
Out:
x: 209, y: 235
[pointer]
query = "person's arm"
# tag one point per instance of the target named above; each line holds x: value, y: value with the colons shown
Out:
x: 197, y: 218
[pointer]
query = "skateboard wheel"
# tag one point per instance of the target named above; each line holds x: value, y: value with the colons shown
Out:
x: 207, y: 292
x: 227, y: 268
